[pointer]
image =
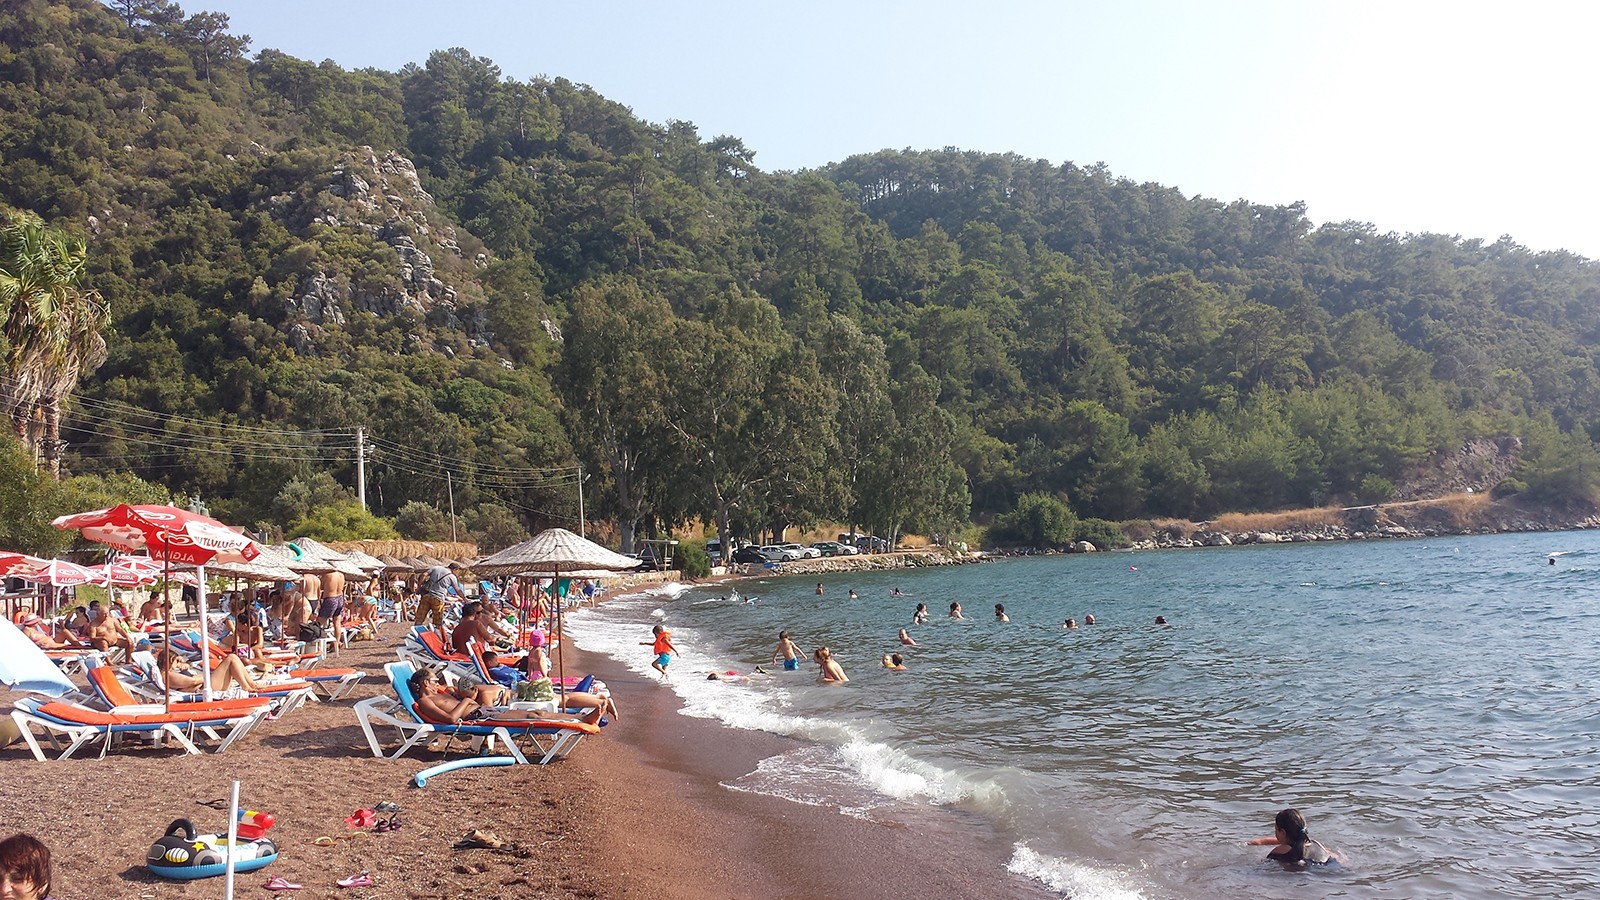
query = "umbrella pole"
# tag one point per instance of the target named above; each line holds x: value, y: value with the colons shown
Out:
x: 205, y: 634
x: 166, y: 624
x: 561, y: 649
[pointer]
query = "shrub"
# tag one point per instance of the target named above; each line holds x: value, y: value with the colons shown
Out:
x: 693, y: 561
x: 1508, y: 487
x: 1039, y: 520
x: 1104, y: 535
x: 1375, y: 489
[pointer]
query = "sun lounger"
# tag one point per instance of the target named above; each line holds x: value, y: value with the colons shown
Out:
x: 114, y: 695
x: 554, y: 739
x: 78, y: 725
x: 330, y: 683
x: 478, y: 671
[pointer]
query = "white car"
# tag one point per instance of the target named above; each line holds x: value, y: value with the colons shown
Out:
x: 781, y: 552
x: 805, y: 552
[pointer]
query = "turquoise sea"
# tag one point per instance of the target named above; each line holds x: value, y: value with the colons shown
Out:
x: 1428, y: 704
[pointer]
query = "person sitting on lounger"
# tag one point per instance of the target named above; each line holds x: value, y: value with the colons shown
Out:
x: 248, y: 640
x: 103, y: 631
x: 181, y: 676
x: 153, y: 610
x: 471, y: 628
x: 441, y: 703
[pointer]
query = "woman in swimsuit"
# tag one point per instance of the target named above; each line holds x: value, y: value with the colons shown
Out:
x: 1292, y: 845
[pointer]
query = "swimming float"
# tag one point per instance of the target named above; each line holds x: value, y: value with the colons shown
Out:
x: 183, y: 855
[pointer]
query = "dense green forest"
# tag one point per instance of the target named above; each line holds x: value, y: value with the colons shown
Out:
x: 501, y: 282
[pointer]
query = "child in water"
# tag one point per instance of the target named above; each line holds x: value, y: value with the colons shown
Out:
x: 1293, y: 846
x: 662, y: 647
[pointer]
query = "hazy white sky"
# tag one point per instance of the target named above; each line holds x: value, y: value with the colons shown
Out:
x: 1464, y: 118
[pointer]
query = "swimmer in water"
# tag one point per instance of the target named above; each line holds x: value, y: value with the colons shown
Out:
x: 906, y: 639
x: 1292, y: 845
x: 955, y: 610
x: 819, y: 589
x: 853, y: 595
x: 1161, y: 620
x: 1088, y: 618
x: 894, y: 662
x: 920, y: 617
x: 1070, y: 624
x: 831, y: 673
x: 1000, y: 613
x: 790, y: 653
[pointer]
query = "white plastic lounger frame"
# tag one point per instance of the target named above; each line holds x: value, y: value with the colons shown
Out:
x: 27, y: 715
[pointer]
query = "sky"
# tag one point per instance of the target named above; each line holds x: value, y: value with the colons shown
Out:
x: 1464, y: 118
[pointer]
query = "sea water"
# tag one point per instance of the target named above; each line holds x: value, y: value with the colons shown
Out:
x: 1429, y: 705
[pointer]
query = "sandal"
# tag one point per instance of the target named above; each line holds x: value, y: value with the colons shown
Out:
x: 361, y: 818
x: 393, y: 823
x: 360, y: 880
x: 388, y: 806
x: 280, y: 883
x: 325, y: 841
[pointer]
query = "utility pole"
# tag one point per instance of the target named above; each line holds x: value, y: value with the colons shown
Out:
x: 450, y: 489
x: 582, y: 529
x: 361, y: 465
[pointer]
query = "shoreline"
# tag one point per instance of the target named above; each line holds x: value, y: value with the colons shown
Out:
x: 671, y: 770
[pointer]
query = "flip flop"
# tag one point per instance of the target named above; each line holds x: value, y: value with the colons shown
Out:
x: 360, y: 880
x: 388, y: 806
x: 325, y: 841
x: 280, y: 883
x: 361, y: 818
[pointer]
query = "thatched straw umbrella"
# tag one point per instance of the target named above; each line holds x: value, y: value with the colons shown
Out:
x: 555, y: 551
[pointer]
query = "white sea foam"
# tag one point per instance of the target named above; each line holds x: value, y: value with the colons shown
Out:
x: 1071, y: 879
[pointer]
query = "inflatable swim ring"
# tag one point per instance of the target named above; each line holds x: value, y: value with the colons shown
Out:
x: 184, y: 855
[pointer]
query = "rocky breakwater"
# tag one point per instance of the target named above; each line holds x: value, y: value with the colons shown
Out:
x: 866, y: 562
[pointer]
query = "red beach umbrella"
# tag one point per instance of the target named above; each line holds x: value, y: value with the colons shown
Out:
x: 171, y: 535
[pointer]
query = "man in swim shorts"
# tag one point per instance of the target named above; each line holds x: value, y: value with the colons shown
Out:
x: 789, y: 652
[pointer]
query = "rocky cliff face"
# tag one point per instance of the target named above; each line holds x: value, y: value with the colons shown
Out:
x: 417, y: 270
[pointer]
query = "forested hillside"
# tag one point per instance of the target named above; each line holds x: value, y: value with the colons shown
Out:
x: 500, y: 281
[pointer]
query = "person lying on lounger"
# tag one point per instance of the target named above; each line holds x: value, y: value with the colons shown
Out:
x: 36, y: 630
x: 440, y: 703
x: 181, y: 676
x: 510, y: 677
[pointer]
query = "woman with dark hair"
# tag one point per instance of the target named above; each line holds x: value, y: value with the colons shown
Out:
x: 1293, y: 846
x: 24, y: 868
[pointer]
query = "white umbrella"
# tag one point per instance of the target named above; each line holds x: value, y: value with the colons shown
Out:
x: 25, y: 667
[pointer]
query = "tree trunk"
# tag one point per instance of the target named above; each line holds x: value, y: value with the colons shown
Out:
x: 52, y: 437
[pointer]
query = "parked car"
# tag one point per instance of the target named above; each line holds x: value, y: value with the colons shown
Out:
x: 834, y: 548
x: 714, y: 551
x: 781, y: 552
x: 750, y: 554
x: 805, y: 552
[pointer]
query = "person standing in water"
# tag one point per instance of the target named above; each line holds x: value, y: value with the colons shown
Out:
x: 819, y: 589
x: 1293, y: 846
x: 920, y: 617
x: 1000, y: 613
x: 906, y: 639
x: 662, y: 647
x: 955, y: 610
x: 789, y: 652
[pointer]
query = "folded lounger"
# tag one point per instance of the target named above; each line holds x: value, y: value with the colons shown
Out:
x: 553, y: 738
x: 79, y: 724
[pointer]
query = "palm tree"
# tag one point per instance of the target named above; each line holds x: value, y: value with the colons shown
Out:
x: 49, y: 330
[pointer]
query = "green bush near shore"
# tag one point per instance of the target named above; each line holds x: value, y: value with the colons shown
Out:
x: 693, y: 561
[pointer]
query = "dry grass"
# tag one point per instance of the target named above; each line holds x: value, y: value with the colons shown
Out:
x: 1462, y: 506
x: 1279, y: 521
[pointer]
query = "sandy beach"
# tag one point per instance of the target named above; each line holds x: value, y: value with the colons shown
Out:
x: 637, y: 811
